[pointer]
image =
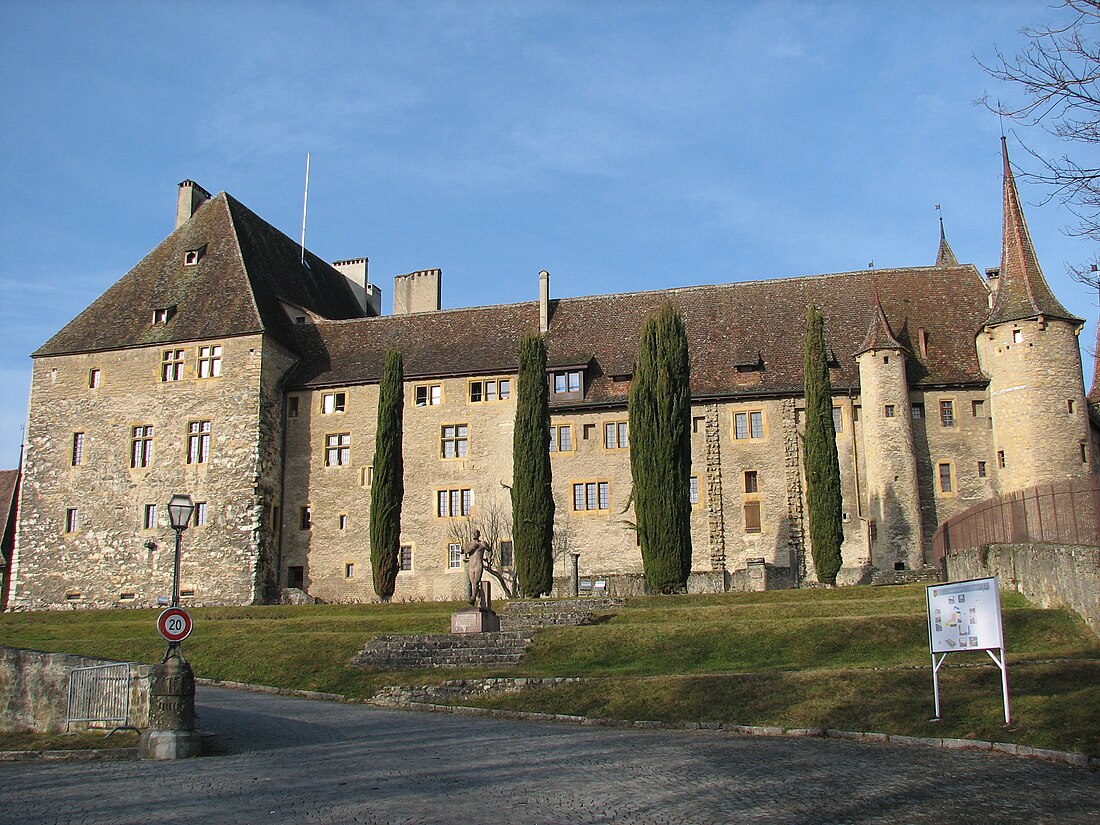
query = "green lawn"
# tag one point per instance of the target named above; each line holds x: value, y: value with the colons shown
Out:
x: 853, y: 658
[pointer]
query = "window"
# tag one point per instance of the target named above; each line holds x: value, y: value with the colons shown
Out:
x: 561, y: 438
x: 945, y: 473
x: 191, y: 257
x: 886, y: 359
x: 78, y: 449
x: 748, y: 424
x: 698, y: 423
x: 591, y: 495
x: 171, y: 365
x: 333, y: 402
x: 199, y: 514
x: 163, y: 315
x: 1084, y: 453
x: 405, y: 557
x: 198, y: 442
x: 947, y: 413
x: 295, y: 576
x: 917, y: 409
x: 429, y: 395
x: 304, y: 518
x: 210, y: 361
x: 343, y: 521
x: 616, y: 435
x: 752, y: 516
x: 693, y: 490
x: 454, y: 556
x: 1069, y: 405
x: 589, y: 432
x: 888, y: 411
x: 838, y: 420
x: 149, y: 517
x: 567, y: 383
x: 981, y: 469
x: 450, y: 503
x: 349, y: 570
x: 141, y: 446
x: 490, y: 390
x: 366, y: 476
x: 72, y: 520
x: 1017, y: 336
x: 453, y: 440
x: 507, y: 557
x: 977, y: 408
x: 292, y: 403
x: 752, y: 483
x: 872, y: 530
x: 338, y: 450
x: 93, y: 379
x: 1001, y: 459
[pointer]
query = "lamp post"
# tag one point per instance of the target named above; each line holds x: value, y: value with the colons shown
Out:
x: 180, y: 508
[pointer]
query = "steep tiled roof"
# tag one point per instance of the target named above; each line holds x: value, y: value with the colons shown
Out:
x: 944, y: 255
x: 1024, y: 292
x: 879, y: 335
x: 9, y: 482
x: 727, y: 325
x: 245, y: 267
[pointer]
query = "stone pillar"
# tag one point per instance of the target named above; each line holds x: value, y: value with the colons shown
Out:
x: 574, y: 575
x: 171, y: 733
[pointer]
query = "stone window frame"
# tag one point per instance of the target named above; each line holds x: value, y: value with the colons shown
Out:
x: 458, y: 440
x: 750, y: 432
x: 337, y: 449
x: 556, y: 440
x: 349, y: 569
x: 342, y: 521
x: 405, y: 557
x: 951, y: 480
x: 587, y: 487
x: 428, y: 395
x: 305, y: 517
x: 208, y: 361
x: 198, y: 441
x: 501, y: 385
x: 948, y: 418
x: 983, y: 471
x: 366, y: 476
x: 172, y: 362
x: 149, y: 517
x: 71, y: 523
x: 511, y: 558
x: 616, y: 434
x: 76, y: 457
x: 916, y: 410
x: 293, y: 406
x: 889, y: 411
x: 754, y: 505
x: 750, y: 478
x: 566, y: 383
x: 454, y: 502
x: 977, y: 408
x: 838, y: 419
x: 695, y: 496
x: 454, y: 555
x: 162, y: 315
x: 141, y: 446
x: 1002, y: 462
x: 95, y: 376
x: 338, y: 405
x: 200, y: 517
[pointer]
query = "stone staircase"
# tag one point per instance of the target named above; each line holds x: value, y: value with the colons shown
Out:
x: 504, y: 649
x: 527, y: 615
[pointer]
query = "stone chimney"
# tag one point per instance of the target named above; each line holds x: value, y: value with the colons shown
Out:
x: 544, y: 302
x: 417, y: 291
x: 367, y: 294
x: 191, y: 197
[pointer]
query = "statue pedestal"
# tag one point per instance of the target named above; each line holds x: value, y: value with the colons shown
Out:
x: 475, y: 620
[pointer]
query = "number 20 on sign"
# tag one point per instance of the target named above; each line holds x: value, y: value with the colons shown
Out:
x: 174, y: 624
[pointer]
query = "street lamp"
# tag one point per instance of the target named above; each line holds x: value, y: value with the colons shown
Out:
x: 180, y: 508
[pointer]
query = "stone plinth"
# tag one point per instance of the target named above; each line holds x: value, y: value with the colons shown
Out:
x: 170, y: 744
x: 474, y: 620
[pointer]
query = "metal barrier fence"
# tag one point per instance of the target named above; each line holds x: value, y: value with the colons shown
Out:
x: 1063, y: 512
x: 99, y: 694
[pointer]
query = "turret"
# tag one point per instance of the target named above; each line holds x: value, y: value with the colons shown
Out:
x: 893, y: 498
x: 1028, y: 347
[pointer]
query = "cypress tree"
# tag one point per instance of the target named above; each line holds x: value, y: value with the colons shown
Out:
x: 822, y: 467
x: 532, y: 494
x: 388, y: 486
x: 659, y: 410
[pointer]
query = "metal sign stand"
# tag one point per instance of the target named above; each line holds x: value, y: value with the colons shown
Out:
x: 1002, y: 665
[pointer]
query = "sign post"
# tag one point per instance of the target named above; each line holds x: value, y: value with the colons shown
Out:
x: 966, y: 616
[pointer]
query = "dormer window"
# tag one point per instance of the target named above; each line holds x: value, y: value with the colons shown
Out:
x: 163, y: 315
x: 567, y: 383
x: 192, y: 256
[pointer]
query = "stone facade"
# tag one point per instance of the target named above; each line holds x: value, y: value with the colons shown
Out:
x: 290, y: 419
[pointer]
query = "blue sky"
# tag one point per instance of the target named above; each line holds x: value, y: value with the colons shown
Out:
x: 620, y: 145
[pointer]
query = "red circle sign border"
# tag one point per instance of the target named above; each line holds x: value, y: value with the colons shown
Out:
x: 162, y: 620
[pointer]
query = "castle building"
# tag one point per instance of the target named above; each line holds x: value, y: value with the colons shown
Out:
x: 232, y: 365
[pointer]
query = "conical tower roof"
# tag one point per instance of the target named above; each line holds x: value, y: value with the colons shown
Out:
x: 944, y: 255
x: 1024, y: 292
x: 879, y: 335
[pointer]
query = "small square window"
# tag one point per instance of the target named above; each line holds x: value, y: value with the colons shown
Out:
x: 752, y: 483
x: 405, y: 557
x: 429, y: 395
x: 917, y: 410
x: 349, y: 570
x: 333, y: 402
x: 192, y: 256
x: 698, y: 424
x: 977, y: 408
x: 888, y: 411
x: 1017, y: 336
x: 162, y: 315
x: 981, y: 469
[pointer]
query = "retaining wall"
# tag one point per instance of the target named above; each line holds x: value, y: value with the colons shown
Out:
x: 34, y: 689
x: 1051, y: 575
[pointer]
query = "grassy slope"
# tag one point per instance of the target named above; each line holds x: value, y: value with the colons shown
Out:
x: 854, y: 658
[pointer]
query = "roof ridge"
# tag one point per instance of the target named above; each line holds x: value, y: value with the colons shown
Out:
x: 227, y: 199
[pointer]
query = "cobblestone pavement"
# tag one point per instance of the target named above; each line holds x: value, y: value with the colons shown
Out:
x: 301, y: 761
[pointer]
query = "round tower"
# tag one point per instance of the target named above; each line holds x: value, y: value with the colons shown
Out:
x: 1029, y: 349
x: 893, y: 498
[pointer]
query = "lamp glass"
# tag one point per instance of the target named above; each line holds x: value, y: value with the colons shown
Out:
x: 180, y: 508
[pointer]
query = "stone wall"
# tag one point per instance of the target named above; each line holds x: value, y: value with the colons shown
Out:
x: 34, y: 689
x: 1051, y: 575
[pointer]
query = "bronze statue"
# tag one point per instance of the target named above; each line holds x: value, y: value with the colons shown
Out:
x: 474, y: 553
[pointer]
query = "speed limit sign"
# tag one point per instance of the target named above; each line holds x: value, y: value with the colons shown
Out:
x: 174, y: 624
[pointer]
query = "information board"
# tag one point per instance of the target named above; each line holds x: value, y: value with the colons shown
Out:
x: 964, y: 616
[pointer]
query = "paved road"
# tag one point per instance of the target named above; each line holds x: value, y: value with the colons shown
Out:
x: 293, y: 760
